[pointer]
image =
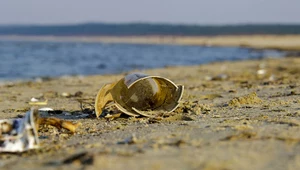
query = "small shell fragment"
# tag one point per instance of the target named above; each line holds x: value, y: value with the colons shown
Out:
x: 36, y: 102
x: 65, y: 94
x: 261, y: 71
x: 45, y: 109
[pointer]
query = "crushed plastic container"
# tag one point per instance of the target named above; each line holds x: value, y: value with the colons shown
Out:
x: 18, y: 135
x: 140, y: 95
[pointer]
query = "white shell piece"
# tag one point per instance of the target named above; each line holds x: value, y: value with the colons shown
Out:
x: 34, y: 100
x: 45, y: 109
x: 261, y: 71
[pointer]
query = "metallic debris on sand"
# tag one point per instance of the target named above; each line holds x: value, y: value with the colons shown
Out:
x: 140, y: 95
x: 18, y: 135
x: 21, y: 134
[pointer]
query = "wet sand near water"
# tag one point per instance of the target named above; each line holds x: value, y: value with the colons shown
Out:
x: 277, y: 42
x: 233, y: 115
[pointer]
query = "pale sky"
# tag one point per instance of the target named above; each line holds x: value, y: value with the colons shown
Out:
x: 155, y: 11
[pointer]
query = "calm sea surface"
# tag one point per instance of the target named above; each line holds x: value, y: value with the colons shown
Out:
x: 29, y: 60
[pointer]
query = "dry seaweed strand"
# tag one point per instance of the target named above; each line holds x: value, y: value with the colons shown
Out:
x: 58, y: 123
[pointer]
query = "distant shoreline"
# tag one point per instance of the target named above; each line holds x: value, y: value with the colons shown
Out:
x: 276, y: 42
x: 149, y: 29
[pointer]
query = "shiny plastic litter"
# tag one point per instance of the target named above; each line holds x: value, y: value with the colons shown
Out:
x: 18, y: 135
x: 140, y: 95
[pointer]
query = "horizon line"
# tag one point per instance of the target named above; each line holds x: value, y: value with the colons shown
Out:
x: 150, y: 23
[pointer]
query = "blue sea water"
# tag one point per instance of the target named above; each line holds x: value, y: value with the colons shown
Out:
x: 29, y: 60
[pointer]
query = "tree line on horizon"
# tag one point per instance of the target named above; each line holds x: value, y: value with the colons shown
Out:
x: 136, y: 29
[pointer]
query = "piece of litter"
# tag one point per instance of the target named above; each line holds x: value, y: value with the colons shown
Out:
x: 140, y: 95
x: 19, y: 135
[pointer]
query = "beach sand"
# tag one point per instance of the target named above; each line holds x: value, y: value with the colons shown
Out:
x: 277, y: 42
x: 233, y: 115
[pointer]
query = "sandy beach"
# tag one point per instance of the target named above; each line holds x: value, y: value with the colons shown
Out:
x: 277, y: 42
x: 150, y: 85
x: 233, y: 115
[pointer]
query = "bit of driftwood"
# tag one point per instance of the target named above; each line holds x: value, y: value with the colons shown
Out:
x: 53, y: 121
x: 58, y: 123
